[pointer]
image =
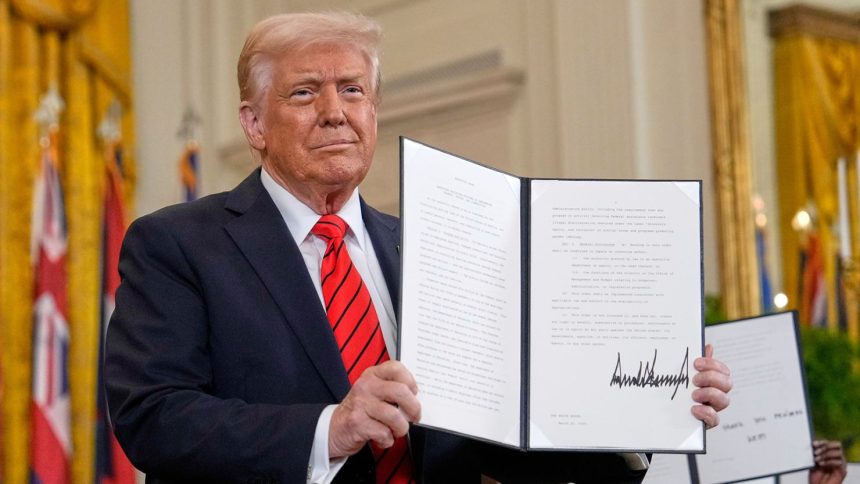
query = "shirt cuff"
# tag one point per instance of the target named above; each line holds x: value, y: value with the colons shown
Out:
x: 321, y: 469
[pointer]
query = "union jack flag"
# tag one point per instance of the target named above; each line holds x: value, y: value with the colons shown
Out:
x: 51, y: 443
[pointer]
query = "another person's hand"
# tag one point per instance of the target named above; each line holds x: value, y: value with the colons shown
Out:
x: 714, y: 381
x: 830, y: 466
x: 377, y: 409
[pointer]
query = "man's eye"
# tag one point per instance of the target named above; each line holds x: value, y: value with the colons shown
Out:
x: 353, y: 90
x: 302, y: 93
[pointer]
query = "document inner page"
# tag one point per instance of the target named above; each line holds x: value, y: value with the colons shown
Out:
x: 765, y: 430
x: 461, y: 292
x: 616, y: 314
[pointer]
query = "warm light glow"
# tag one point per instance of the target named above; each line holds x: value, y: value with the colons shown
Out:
x: 780, y: 301
x: 801, y: 220
x: 760, y: 220
x: 758, y: 203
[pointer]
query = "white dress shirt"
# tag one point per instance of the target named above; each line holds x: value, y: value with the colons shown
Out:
x: 300, y: 219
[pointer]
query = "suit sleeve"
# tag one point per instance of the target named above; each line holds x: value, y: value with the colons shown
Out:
x: 159, y: 379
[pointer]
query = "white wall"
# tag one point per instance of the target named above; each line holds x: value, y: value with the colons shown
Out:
x: 552, y: 88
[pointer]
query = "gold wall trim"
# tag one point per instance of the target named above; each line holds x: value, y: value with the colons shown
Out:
x: 69, y: 14
x: 732, y: 160
x: 818, y: 22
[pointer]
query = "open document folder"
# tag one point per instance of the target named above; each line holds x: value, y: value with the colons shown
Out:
x: 551, y: 314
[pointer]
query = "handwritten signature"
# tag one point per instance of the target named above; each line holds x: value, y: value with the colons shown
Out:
x: 646, y: 376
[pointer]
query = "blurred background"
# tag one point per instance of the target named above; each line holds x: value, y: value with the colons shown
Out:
x: 111, y: 109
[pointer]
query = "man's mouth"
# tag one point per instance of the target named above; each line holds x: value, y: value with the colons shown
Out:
x: 336, y: 143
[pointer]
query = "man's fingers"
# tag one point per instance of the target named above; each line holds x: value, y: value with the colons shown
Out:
x: 394, y: 405
x: 711, y: 364
x: 714, y: 379
x: 829, y: 463
x: 393, y: 370
x: 822, y: 446
x: 393, y: 394
x: 389, y: 416
x: 830, y: 454
x: 360, y: 419
x: 378, y: 432
x: 378, y: 408
x: 396, y: 386
x: 711, y: 397
x: 410, y: 407
x: 706, y: 414
x: 351, y: 428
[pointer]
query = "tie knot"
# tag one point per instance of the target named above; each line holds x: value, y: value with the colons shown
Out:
x: 330, y: 227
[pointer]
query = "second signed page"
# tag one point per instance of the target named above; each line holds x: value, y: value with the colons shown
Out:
x: 615, y: 314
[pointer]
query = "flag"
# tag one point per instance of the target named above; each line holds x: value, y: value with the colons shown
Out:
x: 50, y: 420
x: 189, y: 170
x: 813, y: 290
x: 764, y: 273
x: 112, y: 466
x: 841, y: 302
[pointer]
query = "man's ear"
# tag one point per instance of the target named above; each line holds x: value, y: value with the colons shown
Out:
x: 252, y: 124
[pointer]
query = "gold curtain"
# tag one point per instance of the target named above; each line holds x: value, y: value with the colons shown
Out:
x: 817, y: 108
x: 81, y: 47
x: 739, y: 285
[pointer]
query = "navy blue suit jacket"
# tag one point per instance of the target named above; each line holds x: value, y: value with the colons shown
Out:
x: 219, y: 356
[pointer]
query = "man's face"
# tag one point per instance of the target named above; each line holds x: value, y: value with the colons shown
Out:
x: 318, y: 120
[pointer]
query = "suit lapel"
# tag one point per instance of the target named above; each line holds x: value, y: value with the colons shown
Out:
x: 263, y: 238
x: 384, y: 233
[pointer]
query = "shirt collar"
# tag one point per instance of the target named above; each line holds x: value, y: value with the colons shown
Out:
x: 300, y: 219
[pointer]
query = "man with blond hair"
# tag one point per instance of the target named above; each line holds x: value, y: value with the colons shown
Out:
x: 254, y: 329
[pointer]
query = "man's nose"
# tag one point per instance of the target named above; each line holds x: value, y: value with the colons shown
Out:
x: 330, y: 107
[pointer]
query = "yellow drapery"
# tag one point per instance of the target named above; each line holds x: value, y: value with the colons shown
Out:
x: 817, y: 110
x: 80, y: 47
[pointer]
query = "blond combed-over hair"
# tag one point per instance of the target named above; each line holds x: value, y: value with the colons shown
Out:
x: 295, y: 31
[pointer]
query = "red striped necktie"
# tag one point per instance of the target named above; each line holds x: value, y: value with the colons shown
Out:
x: 356, y: 329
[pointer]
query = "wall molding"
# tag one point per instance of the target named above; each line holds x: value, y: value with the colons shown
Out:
x: 818, y: 22
x: 491, y: 87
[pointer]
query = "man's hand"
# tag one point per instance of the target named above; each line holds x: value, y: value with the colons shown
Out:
x: 830, y: 466
x: 378, y: 408
x: 714, y: 381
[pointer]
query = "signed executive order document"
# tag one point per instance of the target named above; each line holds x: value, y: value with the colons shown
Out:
x: 551, y: 314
